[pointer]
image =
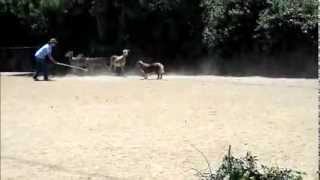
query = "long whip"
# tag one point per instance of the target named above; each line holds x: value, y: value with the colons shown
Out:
x: 74, y: 67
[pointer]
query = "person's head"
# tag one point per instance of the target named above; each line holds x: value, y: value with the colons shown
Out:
x: 53, y: 42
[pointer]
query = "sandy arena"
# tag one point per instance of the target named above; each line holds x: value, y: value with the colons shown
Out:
x: 94, y: 128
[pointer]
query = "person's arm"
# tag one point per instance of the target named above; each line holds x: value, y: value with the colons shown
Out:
x: 50, y: 55
x: 52, y: 59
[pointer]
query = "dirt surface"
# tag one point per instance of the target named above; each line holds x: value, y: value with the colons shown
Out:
x: 127, y: 128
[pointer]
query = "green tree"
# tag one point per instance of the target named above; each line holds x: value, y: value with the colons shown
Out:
x: 236, y: 25
x: 230, y: 24
x: 287, y: 23
x: 31, y: 13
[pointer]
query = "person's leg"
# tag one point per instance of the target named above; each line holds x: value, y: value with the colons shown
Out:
x: 38, y: 70
x: 45, y: 70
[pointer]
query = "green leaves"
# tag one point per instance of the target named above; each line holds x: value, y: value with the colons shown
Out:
x: 161, y: 5
x: 246, y: 168
x: 297, y: 18
x: 31, y: 13
x: 51, y: 5
x: 227, y: 20
x: 236, y: 21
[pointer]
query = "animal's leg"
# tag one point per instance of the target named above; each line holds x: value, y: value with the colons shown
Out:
x: 122, y: 70
x: 145, y: 75
x: 114, y: 69
x: 110, y: 64
x: 111, y: 67
x: 142, y: 73
x: 161, y: 71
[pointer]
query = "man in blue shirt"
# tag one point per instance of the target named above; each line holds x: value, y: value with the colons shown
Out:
x: 41, y: 59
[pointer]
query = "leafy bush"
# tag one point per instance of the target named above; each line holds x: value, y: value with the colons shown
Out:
x: 237, y: 24
x: 288, y: 23
x: 31, y: 13
x: 160, y: 5
x: 246, y: 168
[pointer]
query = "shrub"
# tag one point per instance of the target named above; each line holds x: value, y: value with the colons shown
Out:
x: 246, y: 168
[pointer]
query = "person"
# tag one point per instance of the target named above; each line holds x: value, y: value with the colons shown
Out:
x: 41, y: 56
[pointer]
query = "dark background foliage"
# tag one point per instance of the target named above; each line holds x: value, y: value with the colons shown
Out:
x: 225, y: 37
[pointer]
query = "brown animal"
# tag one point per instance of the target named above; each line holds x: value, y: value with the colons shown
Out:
x: 93, y: 64
x: 78, y: 60
x: 154, y: 68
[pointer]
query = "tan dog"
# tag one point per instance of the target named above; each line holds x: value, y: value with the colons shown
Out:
x: 154, y: 68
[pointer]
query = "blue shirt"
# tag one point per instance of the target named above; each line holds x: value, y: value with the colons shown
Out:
x: 44, y: 51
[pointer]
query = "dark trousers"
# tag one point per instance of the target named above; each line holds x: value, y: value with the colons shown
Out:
x: 41, y: 67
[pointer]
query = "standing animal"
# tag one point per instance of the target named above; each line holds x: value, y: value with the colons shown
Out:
x: 93, y: 64
x: 78, y: 60
x: 153, y: 68
x: 119, y: 61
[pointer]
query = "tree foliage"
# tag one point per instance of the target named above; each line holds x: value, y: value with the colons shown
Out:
x: 238, y: 22
x: 288, y: 21
x: 173, y: 29
x: 225, y: 22
x: 31, y: 13
x: 160, y: 5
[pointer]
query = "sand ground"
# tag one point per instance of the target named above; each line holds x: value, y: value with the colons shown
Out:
x: 127, y: 128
